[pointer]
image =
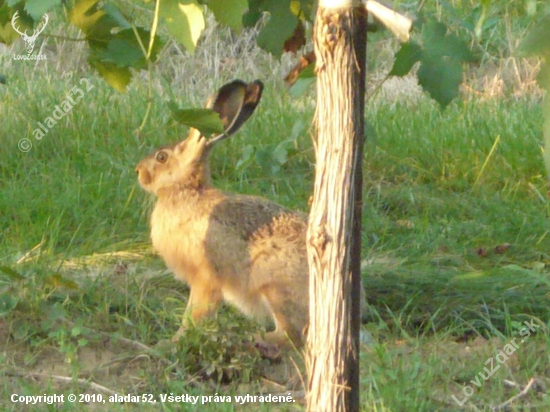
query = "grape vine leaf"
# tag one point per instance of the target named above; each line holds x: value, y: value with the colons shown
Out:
x: 438, y: 42
x: 123, y: 49
x: 229, y: 12
x: 37, y: 8
x: 185, y: 21
x: 114, y: 47
x: 7, y: 34
x: 441, y: 59
x: 117, y: 15
x: 88, y: 17
x: 205, y: 120
x: 440, y: 77
x: 280, y: 26
x: 405, y: 58
x: 305, y: 79
x: 116, y: 77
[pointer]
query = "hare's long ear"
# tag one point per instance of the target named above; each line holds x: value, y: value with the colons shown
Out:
x: 234, y: 102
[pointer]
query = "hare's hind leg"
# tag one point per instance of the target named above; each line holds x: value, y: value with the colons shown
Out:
x: 283, y: 332
x: 289, y: 312
x: 204, y: 299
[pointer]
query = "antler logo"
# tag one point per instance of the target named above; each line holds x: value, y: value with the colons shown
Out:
x: 30, y: 40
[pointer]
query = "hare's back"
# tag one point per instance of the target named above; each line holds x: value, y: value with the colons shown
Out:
x: 257, y: 239
x: 254, y: 218
x: 275, y: 236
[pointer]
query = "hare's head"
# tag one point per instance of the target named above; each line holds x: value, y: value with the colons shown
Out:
x: 185, y: 164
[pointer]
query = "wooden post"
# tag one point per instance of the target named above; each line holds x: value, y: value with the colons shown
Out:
x: 334, y: 233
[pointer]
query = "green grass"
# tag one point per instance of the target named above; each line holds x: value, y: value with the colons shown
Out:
x: 455, y: 247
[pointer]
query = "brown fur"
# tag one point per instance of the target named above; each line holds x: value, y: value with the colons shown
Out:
x: 243, y: 249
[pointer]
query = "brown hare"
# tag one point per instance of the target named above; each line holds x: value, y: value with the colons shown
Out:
x: 246, y: 250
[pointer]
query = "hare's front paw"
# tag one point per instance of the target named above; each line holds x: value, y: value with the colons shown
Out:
x: 179, y: 334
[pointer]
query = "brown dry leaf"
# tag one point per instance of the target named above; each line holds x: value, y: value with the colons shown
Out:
x: 297, y: 41
x: 405, y: 223
x: 481, y: 252
x: 500, y: 249
x: 305, y: 60
x: 121, y: 269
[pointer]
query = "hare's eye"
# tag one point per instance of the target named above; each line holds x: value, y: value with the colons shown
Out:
x: 162, y: 157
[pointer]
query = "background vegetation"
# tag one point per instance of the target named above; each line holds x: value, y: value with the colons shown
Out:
x: 456, y: 232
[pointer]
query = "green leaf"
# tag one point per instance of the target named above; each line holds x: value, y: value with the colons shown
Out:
x: 113, y: 55
x: 246, y: 157
x: 254, y: 12
x: 229, y: 12
x: 405, y: 58
x: 271, y: 158
x: 280, y: 154
x: 185, y: 21
x: 441, y: 57
x: 264, y: 159
x: 56, y: 280
x: 305, y: 79
x: 308, y: 72
x: 307, y: 8
x: 94, y: 21
x: 438, y: 43
x: 440, y: 77
x: 116, y: 77
x: 205, y: 120
x: 122, y: 53
x: 7, y: 303
x: 113, y: 12
x: 37, y: 8
x: 279, y: 28
x: 432, y: 31
x: 123, y: 49
x: 301, y: 86
x: 297, y: 130
x: 7, y: 34
x: 85, y: 15
x: 2, y: 79
x: 53, y: 313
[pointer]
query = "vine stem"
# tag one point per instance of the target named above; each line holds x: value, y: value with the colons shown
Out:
x: 154, y: 27
x: 150, y: 67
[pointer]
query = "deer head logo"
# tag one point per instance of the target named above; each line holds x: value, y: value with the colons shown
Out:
x: 30, y: 40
